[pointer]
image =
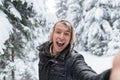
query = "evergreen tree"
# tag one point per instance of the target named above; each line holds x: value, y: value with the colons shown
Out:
x: 95, y: 22
x: 23, y: 34
x: 61, y: 9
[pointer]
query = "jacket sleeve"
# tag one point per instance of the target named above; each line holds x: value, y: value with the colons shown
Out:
x: 81, y: 71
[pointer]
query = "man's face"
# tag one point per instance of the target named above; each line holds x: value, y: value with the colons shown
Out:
x: 61, y: 37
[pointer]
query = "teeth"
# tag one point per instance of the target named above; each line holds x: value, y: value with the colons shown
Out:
x: 60, y: 44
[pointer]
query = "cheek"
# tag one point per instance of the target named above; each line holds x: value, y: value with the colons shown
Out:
x: 54, y: 37
x: 68, y: 39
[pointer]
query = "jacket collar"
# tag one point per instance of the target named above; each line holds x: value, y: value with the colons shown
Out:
x: 62, y: 55
x: 45, y: 49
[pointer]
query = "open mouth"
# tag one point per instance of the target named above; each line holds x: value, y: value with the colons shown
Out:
x: 60, y: 44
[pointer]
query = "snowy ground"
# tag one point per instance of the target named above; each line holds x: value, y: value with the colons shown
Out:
x: 99, y: 64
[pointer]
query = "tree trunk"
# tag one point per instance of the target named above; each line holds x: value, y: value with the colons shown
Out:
x: 12, y: 72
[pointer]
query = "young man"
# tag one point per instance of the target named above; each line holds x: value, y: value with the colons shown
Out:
x: 59, y: 61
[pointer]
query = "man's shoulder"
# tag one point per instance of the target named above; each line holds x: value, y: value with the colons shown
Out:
x: 75, y: 54
x: 41, y: 46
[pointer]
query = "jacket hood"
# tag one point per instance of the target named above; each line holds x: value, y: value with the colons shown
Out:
x: 44, y: 47
x: 45, y: 50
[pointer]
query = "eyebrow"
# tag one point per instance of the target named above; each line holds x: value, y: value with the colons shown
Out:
x: 68, y: 30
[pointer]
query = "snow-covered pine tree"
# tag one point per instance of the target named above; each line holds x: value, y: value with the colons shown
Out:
x: 25, y: 22
x: 62, y: 8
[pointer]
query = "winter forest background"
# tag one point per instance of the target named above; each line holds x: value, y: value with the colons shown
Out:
x: 25, y: 24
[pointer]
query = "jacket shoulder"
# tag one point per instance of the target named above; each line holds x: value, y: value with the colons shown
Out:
x: 41, y: 47
x: 75, y: 55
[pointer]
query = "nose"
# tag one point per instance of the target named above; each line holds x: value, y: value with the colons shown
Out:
x: 61, y: 36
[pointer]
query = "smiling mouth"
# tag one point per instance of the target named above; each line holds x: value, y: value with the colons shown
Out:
x: 60, y: 44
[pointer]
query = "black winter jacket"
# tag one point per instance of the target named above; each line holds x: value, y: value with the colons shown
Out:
x: 54, y: 68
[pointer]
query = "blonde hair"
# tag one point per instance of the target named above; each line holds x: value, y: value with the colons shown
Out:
x: 67, y: 24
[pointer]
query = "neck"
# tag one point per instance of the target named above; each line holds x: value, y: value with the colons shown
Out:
x: 52, y: 52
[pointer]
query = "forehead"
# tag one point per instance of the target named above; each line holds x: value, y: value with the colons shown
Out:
x: 63, y: 26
